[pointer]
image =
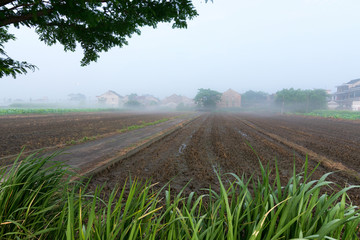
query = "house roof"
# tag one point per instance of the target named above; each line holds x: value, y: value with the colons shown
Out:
x: 230, y: 91
x: 354, y: 81
x: 111, y: 92
x: 177, y: 99
x: 147, y: 98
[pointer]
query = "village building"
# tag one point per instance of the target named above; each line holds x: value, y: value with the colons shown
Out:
x: 148, y: 100
x: 230, y: 99
x: 175, y: 100
x: 332, y: 105
x: 145, y: 100
x: 110, y: 99
x: 348, y: 95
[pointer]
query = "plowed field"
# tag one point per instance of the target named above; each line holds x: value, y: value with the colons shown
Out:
x: 224, y: 142
x: 41, y: 131
x: 212, y: 142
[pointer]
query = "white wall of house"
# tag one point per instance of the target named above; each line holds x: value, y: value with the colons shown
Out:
x: 332, y: 105
x: 110, y: 99
x: 356, y: 106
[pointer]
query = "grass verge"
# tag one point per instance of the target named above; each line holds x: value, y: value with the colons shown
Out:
x: 38, y: 201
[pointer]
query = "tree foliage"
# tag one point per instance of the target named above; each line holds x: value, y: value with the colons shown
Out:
x: 133, y: 104
x: 133, y: 97
x: 252, y: 98
x: 302, y: 100
x: 9, y: 66
x: 77, y: 97
x: 95, y: 25
x: 207, y: 98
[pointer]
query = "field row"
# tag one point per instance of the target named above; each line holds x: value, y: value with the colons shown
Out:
x: 224, y: 142
x: 41, y: 131
x: 236, y: 143
x: 47, y: 206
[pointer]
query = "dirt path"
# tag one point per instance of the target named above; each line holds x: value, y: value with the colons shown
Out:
x: 89, y: 157
x: 42, y: 131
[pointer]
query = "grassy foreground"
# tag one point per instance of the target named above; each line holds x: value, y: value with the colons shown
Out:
x: 37, y: 201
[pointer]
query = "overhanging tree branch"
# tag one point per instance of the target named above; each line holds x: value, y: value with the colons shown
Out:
x: 5, y: 2
x: 95, y: 25
x: 24, y: 18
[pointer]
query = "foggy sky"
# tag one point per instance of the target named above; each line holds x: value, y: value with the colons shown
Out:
x: 261, y: 45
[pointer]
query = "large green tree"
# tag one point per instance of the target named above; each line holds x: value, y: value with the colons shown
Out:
x: 95, y: 25
x: 207, y: 98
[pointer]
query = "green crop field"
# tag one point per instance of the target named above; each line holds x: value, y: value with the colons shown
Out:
x: 335, y: 114
x: 15, y: 111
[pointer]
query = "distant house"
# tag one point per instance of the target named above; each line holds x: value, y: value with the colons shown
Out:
x: 230, y: 99
x: 348, y: 95
x: 110, y: 98
x: 332, y: 105
x: 148, y: 100
x: 175, y: 100
x: 355, y: 106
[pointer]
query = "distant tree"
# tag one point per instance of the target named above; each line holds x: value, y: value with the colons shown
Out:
x: 77, y: 97
x: 317, y: 99
x: 95, y: 25
x: 252, y: 98
x: 301, y: 100
x: 153, y: 103
x: 207, y: 98
x: 133, y: 97
x: 182, y: 107
x: 133, y: 104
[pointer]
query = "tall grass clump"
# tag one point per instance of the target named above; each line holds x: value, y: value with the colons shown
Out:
x: 37, y: 202
x: 31, y: 197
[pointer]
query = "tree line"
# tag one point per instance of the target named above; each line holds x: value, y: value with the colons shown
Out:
x: 286, y: 100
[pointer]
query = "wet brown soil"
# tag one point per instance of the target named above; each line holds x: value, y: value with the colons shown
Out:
x: 237, y: 143
x: 40, y: 131
x: 213, y: 142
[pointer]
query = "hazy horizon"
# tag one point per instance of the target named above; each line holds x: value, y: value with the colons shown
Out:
x: 238, y: 44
